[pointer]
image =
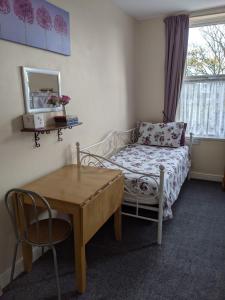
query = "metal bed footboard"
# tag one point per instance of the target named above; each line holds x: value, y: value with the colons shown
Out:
x: 98, y: 154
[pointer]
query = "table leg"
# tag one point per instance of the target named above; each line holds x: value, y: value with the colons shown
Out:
x: 79, y: 248
x: 117, y: 224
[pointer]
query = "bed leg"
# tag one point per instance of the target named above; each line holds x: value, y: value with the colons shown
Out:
x: 189, y: 175
x: 160, y: 214
x: 159, y: 233
x: 160, y: 221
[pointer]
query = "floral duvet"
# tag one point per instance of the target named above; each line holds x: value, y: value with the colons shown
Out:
x: 147, y: 159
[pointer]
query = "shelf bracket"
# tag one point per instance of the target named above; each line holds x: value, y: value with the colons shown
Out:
x: 47, y: 130
x: 59, y: 131
x: 37, y: 139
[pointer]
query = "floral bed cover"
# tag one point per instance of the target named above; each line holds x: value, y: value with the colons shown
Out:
x: 147, y: 159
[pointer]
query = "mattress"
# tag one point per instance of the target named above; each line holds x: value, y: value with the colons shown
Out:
x: 147, y: 159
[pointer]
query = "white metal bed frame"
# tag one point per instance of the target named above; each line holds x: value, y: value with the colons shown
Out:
x: 97, y: 154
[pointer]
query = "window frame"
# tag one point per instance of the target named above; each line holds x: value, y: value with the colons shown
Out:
x: 201, y: 21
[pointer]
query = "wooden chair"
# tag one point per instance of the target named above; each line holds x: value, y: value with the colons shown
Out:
x: 38, y: 232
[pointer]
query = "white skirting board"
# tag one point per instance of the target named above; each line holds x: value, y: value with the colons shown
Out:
x: 206, y: 176
x: 5, y: 276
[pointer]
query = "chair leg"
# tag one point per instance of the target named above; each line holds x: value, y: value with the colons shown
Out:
x: 56, y: 271
x: 42, y: 251
x: 14, y: 261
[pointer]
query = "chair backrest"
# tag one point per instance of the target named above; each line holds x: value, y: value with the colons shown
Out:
x: 15, y: 200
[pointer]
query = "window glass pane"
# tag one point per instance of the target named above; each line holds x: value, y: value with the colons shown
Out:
x: 206, y: 50
x: 202, y: 101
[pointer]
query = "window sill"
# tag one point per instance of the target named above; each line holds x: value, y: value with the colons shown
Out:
x: 204, y: 138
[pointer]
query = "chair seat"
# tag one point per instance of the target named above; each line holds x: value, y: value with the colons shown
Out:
x: 61, y: 230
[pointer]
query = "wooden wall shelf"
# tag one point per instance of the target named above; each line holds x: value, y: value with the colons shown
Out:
x: 48, y: 130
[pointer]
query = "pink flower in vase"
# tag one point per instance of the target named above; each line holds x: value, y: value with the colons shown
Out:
x: 59, y: 100
x: 44, y: 20
x: 24, y: 11
x: 4, y: 7
x: 65, y: 99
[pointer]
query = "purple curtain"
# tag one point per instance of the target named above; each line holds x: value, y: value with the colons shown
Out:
x: 177, y: 29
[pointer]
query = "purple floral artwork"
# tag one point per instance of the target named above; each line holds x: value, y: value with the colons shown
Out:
x: 4, y: 10
x: 60, y: 25
x: 24, y: 11
x: 36, y: 23
x: 44, y: 20
x: 4, y: 7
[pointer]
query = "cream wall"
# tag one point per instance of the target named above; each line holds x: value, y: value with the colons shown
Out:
x: 99, y: 78
x: 208, y: 156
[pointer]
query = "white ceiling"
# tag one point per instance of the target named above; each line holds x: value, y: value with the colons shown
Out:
x: 145, y: 9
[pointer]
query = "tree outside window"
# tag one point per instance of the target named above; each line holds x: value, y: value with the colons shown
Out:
x: 206, y: 51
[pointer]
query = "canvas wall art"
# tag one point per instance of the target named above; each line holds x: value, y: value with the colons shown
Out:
x: 36, y: 23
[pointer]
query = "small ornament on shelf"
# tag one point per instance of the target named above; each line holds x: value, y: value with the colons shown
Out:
x: 59, y: 100
x: 33, y: 121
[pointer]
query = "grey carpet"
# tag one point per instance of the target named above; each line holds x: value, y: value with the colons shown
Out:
x: 189, y: 265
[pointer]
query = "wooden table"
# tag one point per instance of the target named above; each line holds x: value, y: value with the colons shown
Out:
x: 90, y: 195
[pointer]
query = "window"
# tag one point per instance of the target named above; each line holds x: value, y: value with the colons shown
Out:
x: 202, y: 101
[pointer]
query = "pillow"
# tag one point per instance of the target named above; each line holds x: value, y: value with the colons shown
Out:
x: 161, y: 134
x: 182, y: 140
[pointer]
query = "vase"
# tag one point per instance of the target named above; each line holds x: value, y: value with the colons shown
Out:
x: 64, y: 111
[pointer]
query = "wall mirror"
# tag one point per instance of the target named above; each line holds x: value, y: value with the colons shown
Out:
x: 39, y: 86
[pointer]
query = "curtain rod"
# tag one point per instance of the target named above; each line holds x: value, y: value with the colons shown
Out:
x: 199, y: 13
x: 192, y: 14
x: 205, y: 12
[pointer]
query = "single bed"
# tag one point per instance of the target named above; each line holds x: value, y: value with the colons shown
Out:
x: 153, y: 175
x: 147, y: 159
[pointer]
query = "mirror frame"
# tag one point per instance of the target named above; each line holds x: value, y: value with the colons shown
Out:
x: 26, y: 89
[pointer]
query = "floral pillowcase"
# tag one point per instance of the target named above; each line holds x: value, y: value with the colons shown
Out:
x: 161, y: 134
